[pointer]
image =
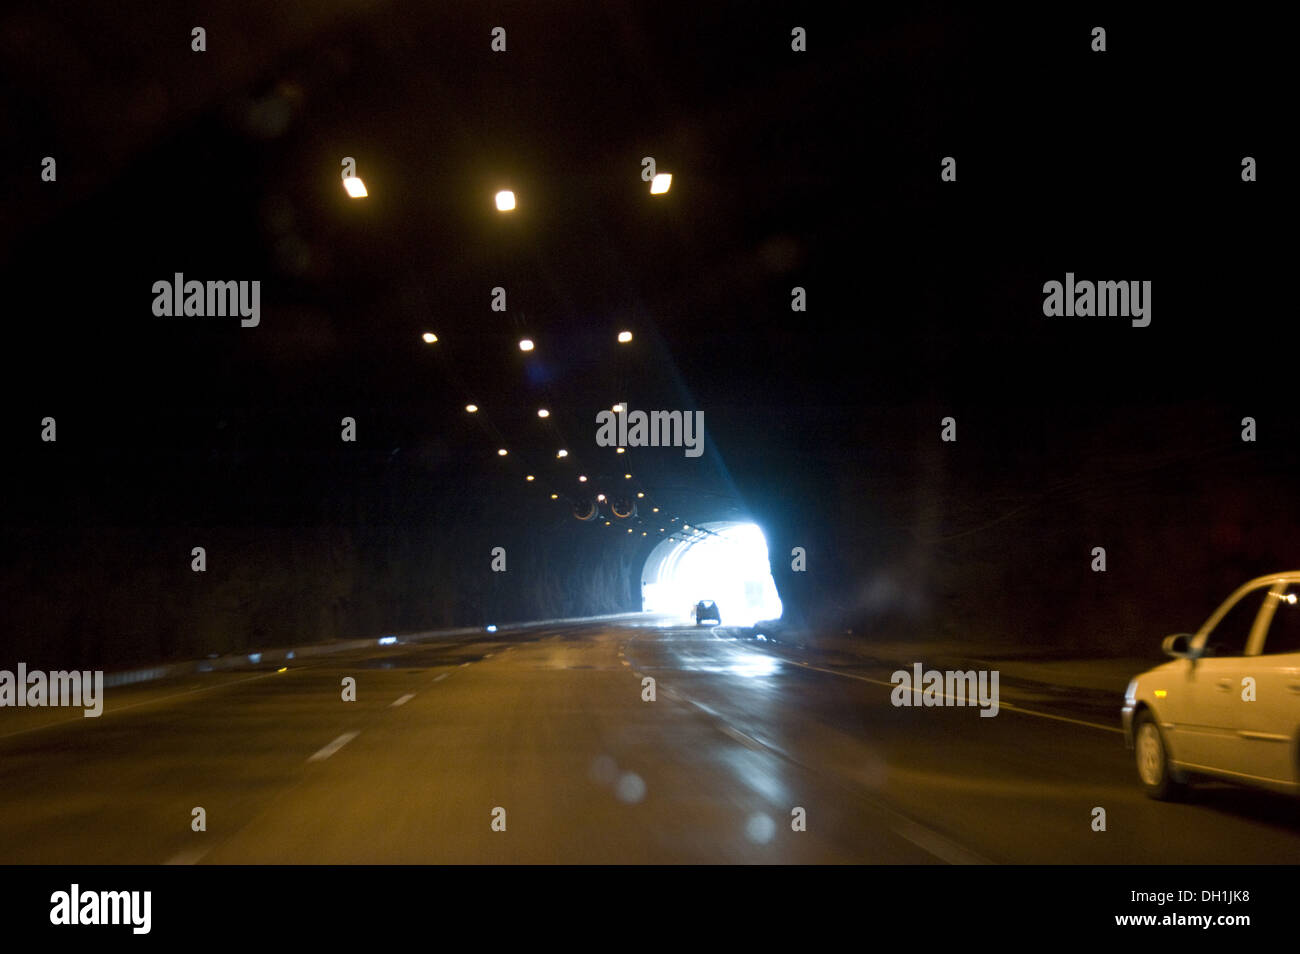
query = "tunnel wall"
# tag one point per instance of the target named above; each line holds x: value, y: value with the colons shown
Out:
x: 97, y: 586
x: 989, y: 541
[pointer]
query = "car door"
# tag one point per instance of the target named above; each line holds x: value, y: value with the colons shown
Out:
x: 1205, y: 731
x: 1267, y: 726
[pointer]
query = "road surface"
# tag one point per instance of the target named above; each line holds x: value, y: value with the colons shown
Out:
x: 550, y: 725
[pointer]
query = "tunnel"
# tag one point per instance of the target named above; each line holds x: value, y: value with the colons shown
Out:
x: 822, y: 426
x: 383, y: 400
x: 726, y: 561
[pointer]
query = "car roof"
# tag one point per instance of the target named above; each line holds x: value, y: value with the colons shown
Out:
x: 1290, y: 576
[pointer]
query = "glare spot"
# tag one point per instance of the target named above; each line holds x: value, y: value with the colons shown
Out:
x: 505, y: 200
x: 355, y: 187
x: 753, y: 665
x: 631, y: 789
x: 760, y: 829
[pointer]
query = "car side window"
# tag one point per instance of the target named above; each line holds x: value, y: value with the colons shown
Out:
x: 1229, y: 637
x: 1283, y: 634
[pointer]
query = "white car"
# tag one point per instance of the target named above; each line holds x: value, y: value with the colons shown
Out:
x: 1228, y: 706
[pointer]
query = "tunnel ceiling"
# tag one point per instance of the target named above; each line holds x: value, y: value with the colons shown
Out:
x: 660, y: 559
x: 234, y: 163
x: 815, y: 169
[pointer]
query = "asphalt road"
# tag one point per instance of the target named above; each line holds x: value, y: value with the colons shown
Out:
x: 551, y: 726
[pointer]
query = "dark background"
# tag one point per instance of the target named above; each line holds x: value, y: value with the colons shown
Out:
x: 818, y: 169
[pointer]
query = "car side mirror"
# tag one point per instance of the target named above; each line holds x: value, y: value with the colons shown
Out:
x: 1179, y: 646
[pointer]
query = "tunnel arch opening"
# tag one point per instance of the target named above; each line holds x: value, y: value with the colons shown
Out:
x: 727, y: 563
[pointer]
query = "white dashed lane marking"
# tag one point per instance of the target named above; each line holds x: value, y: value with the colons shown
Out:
x: 402, y: 701
x: 334, y: 746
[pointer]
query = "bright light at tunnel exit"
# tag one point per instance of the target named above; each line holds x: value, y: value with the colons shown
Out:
x: 729, y: 567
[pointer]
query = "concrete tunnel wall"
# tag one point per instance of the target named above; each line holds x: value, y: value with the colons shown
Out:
x: 904, y: 541
x: 401, y: 549
x: 909, y: 538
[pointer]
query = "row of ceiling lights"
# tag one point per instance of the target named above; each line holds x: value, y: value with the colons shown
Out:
x: 505, y: 199
x: 525, y: 344
x: 505, y: 202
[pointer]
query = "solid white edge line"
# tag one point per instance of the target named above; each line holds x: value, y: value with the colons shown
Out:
x: 1001, y: 705
x: 81, y: 720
